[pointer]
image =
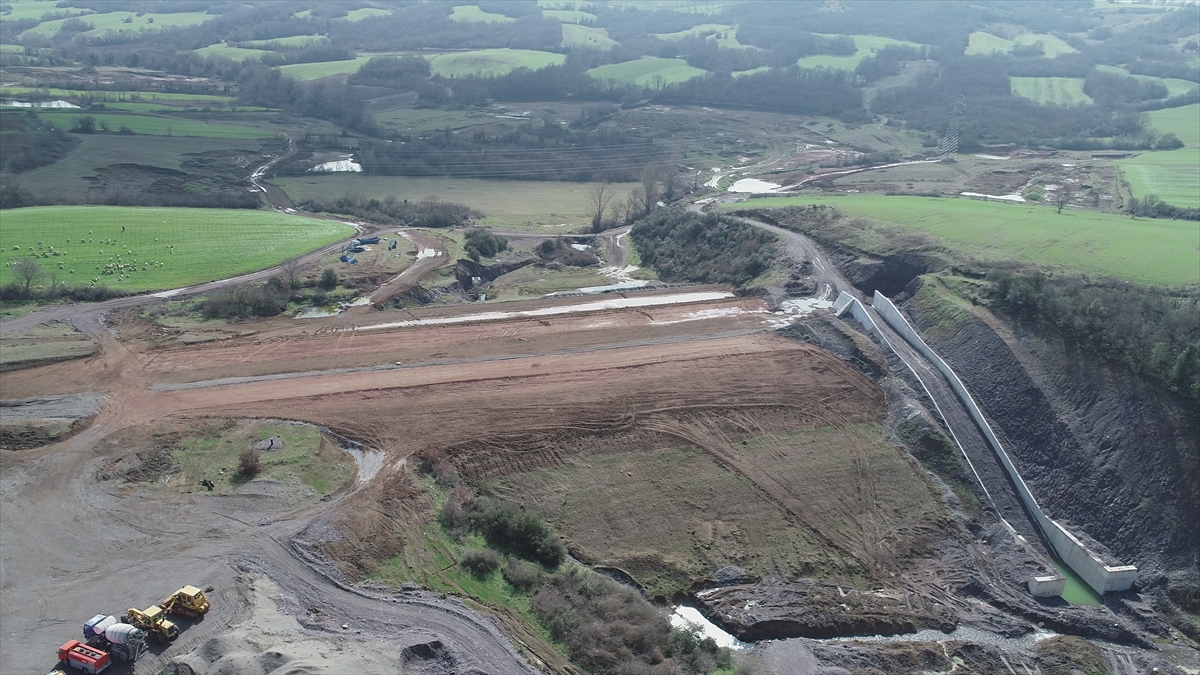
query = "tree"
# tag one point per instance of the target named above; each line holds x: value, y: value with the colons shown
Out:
x: 329, y: 279
x: 27, y: 271
x: 599, y: 198
x: 1063, y: 196
x: 291, y: 273
x: 249, y: 462
x: 647, y: 192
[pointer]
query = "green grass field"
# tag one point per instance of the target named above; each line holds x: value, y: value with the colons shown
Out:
x: 315, y: 71
x: 152, y: 125
x: 647, y: 70
x: 472, y: 14
x: 235, y: 53
x: 577, y: 37
x: 867, y: 45
x: 208, y: 244
x: 111, y: 22
x: 1159, y: 252
x: 195, y: 99
x: 492, y: 62
x: 1173, y: 175
x: 294, y: 41
x: 568, y: 15
x: 1050, y: 90
x: 527, y: 205
x: 986, y: 43
x: 34, y: 9
x: 1175, y: 86
x: 365, y: 13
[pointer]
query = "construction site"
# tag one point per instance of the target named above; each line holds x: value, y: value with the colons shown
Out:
x: 717, y: 432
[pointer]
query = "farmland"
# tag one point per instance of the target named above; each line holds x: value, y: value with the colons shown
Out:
x: 492, y: 62
x: 1175, y: 86
x: 576, y: 37
x: 315, y: 71
x: 116, y: 21
x: 168, y: 247
x: 1158, y: 252
x: 568, y: 15
x: 192, y: 99
x: 153, y: 125
x: 294, y: 41
x: 531, y: 205
x: 1173, y: 175
x: 647, y: 70
x: 867, y: 45
x: 1050, y: 90
x: 986, y: 43
x: 472, y: 14
x: 365, y: 13
x: 235, y: 53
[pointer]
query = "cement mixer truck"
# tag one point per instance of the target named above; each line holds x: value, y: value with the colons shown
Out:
x: 122, y: 640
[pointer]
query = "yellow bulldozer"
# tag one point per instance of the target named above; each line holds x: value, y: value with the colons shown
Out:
x: 153, y: 622
x: 188, y: 601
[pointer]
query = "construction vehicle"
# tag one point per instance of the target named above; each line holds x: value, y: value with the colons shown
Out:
x: 122, y: 640
x: 154, y: 622
x: 188, y: 601
x: 88, y: 659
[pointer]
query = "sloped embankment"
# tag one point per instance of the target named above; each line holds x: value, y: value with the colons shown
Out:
x: 1104, y: 451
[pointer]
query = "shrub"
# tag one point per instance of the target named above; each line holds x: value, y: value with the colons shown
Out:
x: 329, y: 279
x: 249, y: 462
x: 523, y: 576
x: 482, y: 243
x: 480, y: 562
x: 507, y: 528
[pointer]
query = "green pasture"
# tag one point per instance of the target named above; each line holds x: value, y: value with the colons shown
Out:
x: 492, y: 62
x: 539, y: 206
x: 985, y: 43
x: 568, y: 15
x: 34, y: 9
x: 725, y: 34
x: 1174, y: 85
x: 152, y: 125
x: 1050, y: 90
x: 1172, y: 175
x: 472, y: 14
x: 294, y: 41
x: 168, y: 247
x: 235, y: 53
x: 1150, y: 251
x: 752, y: 71
x: 579, y: 37
x: 867, y: 46
x: 215, y: 107
x: 105, y: 95
x: 315, y: 71
x: 365, y: 13
x: 111, y: 22
x: 647, y: 70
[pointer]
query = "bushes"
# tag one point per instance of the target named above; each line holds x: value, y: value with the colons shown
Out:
x: 329, y: 279
x: 480, y: 562
x: 245, y: 301
x: 684, y: 246
x: 249, y: 463
x: 557, y: 250
x: 483, y: 243
x: 505, y: 527
x: 429, y: 212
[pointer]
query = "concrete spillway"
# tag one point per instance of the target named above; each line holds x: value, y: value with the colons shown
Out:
x: 1102, y: 577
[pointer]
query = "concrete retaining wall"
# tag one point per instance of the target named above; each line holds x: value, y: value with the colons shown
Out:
x: 1101, y: 577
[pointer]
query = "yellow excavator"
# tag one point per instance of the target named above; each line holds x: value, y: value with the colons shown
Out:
x: 153, y: 622
x: 188, y: 601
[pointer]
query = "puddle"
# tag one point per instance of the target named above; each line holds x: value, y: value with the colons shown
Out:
x: 339, y: 166
x: 1076, y: 591
x: 611, y: 287
x: 596, y: 306
x: 320, y: 312
x: 580, y: 247
x: 753, y: 186
x: 989, y: 156
x: 1004, y: 198
x: 960, y: 634
x: 682, y: 616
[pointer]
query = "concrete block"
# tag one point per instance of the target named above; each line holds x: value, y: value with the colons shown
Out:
x: 1050, y: 586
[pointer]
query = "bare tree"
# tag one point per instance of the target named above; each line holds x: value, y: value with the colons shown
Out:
x: 291, y: 273
x: 600, y: 197
x: 27, y: 271
x: 647, y: 193
x: 1063, y: 196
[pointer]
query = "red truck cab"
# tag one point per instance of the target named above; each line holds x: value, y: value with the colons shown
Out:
x: 83, y: 657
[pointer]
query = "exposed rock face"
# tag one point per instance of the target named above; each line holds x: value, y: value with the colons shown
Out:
x: 775, y: 609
